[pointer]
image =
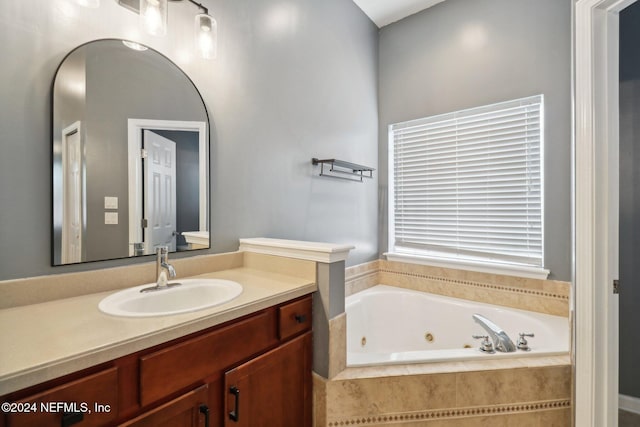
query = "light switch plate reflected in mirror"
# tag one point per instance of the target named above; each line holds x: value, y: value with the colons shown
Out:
x: 110, y: 202
x: 111, y: 218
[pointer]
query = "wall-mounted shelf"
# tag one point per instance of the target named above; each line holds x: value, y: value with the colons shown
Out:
x: 343, y: 170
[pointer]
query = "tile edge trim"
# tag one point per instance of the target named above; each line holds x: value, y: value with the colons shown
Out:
x: 452, y: 413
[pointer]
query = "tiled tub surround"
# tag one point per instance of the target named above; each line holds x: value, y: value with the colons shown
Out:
x: 543, y: 296
x: 517, y: 392
x: 531, y: 391
x: 52, y: 325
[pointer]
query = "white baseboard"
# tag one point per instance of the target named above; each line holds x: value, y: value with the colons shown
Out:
x: 629, y: 403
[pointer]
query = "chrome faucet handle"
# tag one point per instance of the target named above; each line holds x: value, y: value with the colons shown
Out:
x: 486, y: 346
x: 522, y: 342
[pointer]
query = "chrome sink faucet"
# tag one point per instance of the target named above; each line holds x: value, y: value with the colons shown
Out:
x: 164, y: 271
x: 501, y: 340
x: 163, y: 266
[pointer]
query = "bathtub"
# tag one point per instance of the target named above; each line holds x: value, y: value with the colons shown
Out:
x: 390, y: 325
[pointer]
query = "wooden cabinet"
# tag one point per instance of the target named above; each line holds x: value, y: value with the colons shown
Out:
x: 273, y: 389
x: 172, y: 368
x: 188, y: 410
x: 294, y: 318
x: 265, y: 357
x: 71, y: 403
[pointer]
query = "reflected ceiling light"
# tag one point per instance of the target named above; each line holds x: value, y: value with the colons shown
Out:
x: 89, y: 3
x: 134, y: 45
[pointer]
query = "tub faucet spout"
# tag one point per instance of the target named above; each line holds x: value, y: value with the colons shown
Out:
x: 501, y: 341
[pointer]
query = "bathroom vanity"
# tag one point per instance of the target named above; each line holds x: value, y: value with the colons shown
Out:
x: 246, y: 362
x: 255, y: 370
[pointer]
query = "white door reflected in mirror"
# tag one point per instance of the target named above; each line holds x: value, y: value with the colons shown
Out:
x: 159, y: 191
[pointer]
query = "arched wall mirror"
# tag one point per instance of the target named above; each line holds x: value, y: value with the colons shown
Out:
x: 130, y: 155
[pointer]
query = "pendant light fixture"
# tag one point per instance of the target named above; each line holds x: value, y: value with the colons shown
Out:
x: 206, y: 32
x: 154, y: 19
x: 206, y: 36
x: 153, y: 16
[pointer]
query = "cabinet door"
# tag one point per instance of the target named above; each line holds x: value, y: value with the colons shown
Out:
x: 273, y: 389
x: 188, y: 410
x: 91, y: 401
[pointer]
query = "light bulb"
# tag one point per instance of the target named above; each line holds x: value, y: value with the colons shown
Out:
x: 206, y: 36
x: 153, y: 14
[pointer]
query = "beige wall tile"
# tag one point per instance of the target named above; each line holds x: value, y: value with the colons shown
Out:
x: 512, y: 386
x: 353, y: 272
x: 319, y: 401
x: 375, y: 396
x: 337, y: 344
x: 361, y: 277
x: 360, y: 284
x: 550, y: 297
x: 551, y: 418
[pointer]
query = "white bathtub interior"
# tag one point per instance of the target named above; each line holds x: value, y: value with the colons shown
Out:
x: 391, y: 325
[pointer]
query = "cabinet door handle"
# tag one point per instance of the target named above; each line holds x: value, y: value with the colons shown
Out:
x: 204, y: 409
x: 235, y: 414
x: 71, y: 418
x: 300, y: 318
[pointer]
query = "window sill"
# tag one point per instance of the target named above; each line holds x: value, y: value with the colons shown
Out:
x: 508, y: 270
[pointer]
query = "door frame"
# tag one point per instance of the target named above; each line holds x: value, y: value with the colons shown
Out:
x: 596, y: 211
x: 72, y: 129
x: 135, y: 127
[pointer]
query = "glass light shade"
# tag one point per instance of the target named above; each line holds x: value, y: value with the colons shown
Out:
x: 153, y: 15
x: 93, y: 4
x: 206, y: 36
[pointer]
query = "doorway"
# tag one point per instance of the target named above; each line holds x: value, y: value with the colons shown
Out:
x: 167, y: 195
x: 629, y: 215
x: 596, y: 205
x: 73, y: 189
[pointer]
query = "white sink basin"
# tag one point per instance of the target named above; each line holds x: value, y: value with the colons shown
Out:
x: 191, y: 295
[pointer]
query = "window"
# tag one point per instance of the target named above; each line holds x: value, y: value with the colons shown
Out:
x: 467, y: 186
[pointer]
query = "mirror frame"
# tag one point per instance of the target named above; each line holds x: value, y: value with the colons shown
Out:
x: 204, y: 150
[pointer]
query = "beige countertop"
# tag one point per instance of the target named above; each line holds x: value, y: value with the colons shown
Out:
x: 44, y: 341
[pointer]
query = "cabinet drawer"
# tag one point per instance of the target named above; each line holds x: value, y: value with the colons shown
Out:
x: 294, y: 318
x: 179, y: 366
x: 69, y: 404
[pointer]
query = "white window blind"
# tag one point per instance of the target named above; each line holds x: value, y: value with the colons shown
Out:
x: 468, y: 184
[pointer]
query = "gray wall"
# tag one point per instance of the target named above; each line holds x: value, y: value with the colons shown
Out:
x: 629, y: 200
x: 293, y: 80
x: 461, y: 54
